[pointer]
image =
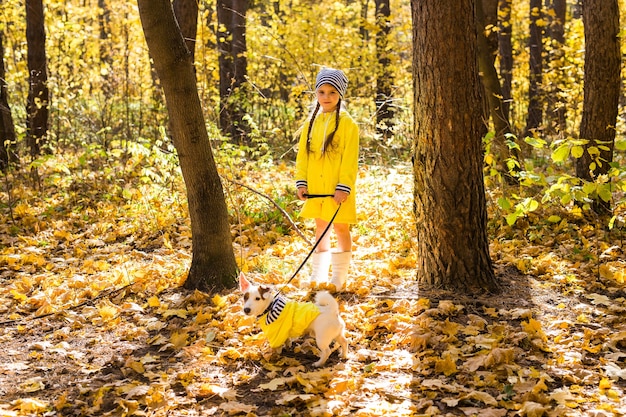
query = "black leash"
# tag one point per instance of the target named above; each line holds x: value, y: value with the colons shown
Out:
x: 317, y: 242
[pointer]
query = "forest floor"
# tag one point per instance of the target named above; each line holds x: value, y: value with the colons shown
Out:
x: 94, y: 321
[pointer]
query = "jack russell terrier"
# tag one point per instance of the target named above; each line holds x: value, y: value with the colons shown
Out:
x: 281, y: 319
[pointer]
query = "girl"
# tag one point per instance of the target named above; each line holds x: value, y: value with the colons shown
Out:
x: 327, y: 163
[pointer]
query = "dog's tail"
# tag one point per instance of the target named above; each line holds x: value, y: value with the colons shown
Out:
x: 325, y: 301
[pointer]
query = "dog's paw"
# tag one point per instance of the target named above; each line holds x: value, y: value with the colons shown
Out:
x: 319, y: 363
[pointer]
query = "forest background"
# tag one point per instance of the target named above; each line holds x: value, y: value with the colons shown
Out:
x: 95, y: 244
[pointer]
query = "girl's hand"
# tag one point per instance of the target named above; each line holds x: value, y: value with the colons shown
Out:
x: 340, y: 196
x: 301, y: 192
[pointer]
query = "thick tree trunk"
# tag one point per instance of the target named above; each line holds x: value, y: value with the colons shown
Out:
x: 601, y: 87
x: 213, y: 265
x: 38, y: 95
x: 231, y: 35
x: 384, y: 76
x: 7, y: 129
x: 450, y: 207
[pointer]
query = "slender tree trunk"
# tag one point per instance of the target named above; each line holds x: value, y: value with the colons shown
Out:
x: 7, y: 129
x: 450, y: 206
x: 556, y: 110
x: 384, y: 76
x: 38, y: 95
x: 535, y: 45
x: 213, y: 265
x: 231, y: 35
x: 505, y: 47
x: 487, y: 49
x: 106, y: 65
x: 601, y: 87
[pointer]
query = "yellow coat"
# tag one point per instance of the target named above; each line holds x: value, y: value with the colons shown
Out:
x: 335, y: 169
x: 290, y: 323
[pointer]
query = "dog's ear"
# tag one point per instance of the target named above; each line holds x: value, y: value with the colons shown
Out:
x: 263, y: 291
x: 243, y: 283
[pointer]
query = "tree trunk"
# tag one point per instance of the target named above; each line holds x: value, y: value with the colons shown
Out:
x: 556, y: 111
x: 7, y: 129
x: 505, y: 48
x: 384, y: 76
x: 213, y: 265
x: 535, y: 45
x: 601, y: 87
x: 500, y: 118
x: 450, y: 206
x: 231, y: 44
x: 106, y: 60
x: 186, y: 12
x: 38, y: 95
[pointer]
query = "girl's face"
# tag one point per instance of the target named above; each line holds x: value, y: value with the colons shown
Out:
x: 328, y: 97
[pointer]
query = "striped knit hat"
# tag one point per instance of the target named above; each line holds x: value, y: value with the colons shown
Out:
x: 334, y: 77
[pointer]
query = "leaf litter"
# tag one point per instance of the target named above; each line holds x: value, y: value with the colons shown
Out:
x: 94, y: 321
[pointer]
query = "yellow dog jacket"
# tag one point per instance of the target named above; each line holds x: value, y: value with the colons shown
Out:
x: 286, y: 320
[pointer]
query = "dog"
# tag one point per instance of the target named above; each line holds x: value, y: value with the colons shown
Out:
x: 281, y: 319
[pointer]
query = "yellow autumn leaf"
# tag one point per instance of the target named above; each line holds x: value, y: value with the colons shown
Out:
x: 32, y: 385
x: 30, y: 405
x: 534, y: 330
x: 107, y: 311
x: 154, y: 301
x: 499, y: 356
x: 339, y: 386
x: 136, y: 366
x: 18, y: 296
x: 203, y: 317
x: 63, y: 234
x: 540, y: 387
x: 179, y: 339
x: 605, y: 383
x: 446, y: 365
x: 450, y: 328
x: 480, y: 396
x: 276, y: 383
x: 182, y: 313
x: 533, y: 409
x: 207, y: 389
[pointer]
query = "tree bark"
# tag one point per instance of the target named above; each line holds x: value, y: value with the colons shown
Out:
x: 505, y: 49
x: 384, y: 76
x: 601, y: 86
x: 450, y: 206
x: 213, y: 265
x: 38, y: 95
x: 231, y: 43
x: 487, y: 49
x: 535, y: 44
x: 7, y: 129
x: 556, y: 103
x: 186, y: 12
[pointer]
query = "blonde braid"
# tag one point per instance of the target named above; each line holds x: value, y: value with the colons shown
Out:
x: 308, y: 133
x: 329, y: 139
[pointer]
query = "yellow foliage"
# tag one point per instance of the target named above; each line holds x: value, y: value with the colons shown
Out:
x: 534, y: 329
x: 446, y: 365
x: 179, y: 339
x: 29, y: 406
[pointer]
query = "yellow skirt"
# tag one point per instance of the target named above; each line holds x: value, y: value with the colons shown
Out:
x: 324, y: 208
